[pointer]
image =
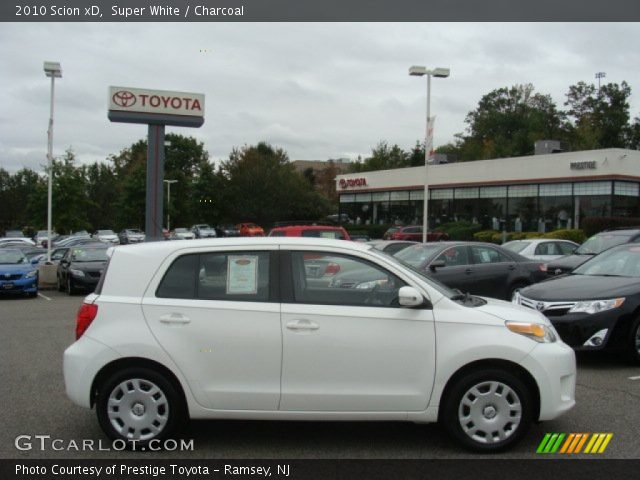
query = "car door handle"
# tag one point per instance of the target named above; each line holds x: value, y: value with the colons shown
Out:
x: 512, y: 267
x: 175, y: 318
x: 468, y: 270
x: 302, y: 325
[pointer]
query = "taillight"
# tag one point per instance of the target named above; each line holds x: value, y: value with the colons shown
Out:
x: 332, y: 269
x: 86, y: 314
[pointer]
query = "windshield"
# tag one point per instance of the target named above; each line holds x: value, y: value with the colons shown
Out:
x: 11, y: 257
x: 516, y: 247
x: 417, y: 255
x: 181, y: 230
x: 443, y: 289
x: 89, y: 255
x: 134, y: 231
x: 619, y: 262
x: 105, y: 232
x: 601, y: 242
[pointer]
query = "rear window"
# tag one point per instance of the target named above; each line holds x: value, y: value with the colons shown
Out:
x: 317, y: 233
x: 232, y: 276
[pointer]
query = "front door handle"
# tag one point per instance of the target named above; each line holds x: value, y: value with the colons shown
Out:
x: 302, y: 325
x: 468, y: 271
x: 175, y: 318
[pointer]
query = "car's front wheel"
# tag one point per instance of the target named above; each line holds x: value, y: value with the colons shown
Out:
x: 487, y: 410
x: 138, y: 405
x: 633, y: 343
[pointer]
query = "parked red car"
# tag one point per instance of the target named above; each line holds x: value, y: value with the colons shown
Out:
x: 414, y: 232
x: 318, y: 231
x: 250, y: 230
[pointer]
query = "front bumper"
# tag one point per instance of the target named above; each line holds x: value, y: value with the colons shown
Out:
x: 576, y: 328
x: 20, y: 285
x: 87, y: 282
x: 553, y: 366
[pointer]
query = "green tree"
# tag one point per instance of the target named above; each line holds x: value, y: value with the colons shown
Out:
x: 263, y: 187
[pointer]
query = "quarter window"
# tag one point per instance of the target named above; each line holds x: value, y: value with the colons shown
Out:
x: 330, y: 279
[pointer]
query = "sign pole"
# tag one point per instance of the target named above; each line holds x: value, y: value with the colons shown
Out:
x: 155, y: 176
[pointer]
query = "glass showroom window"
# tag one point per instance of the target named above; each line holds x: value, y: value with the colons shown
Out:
x: 440, y: 206
x: 416, y: 207
x: 522, y: 214
x: 399, y: 207
x: 380, y: 201
x: 556, y: 206
x: 593, y: 199
x: 626, y: 199
x: 364, y: 210
x: 465, y: 204
x: 348, y: 206
x: 492, y: 206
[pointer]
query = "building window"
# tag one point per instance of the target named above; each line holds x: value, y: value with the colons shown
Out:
x: 416, y: 194
x: 347, y: 198
x: 520, y: 191
x: 399, y: 196
x: 592, y: 188
x: 493, y: 192
x: 441, y: 194
x: 471, y: 192
x: 555, y: 190
x: 627, y: 189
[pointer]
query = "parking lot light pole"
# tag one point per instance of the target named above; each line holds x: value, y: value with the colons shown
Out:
x: 417, y: 71
x: 53, y: 70
x: 169, y: 182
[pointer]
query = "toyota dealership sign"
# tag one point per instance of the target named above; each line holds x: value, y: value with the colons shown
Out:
x: 139, y: 105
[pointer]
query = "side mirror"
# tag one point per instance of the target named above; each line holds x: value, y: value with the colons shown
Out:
x: 410, y: 297
x: 436, y: 264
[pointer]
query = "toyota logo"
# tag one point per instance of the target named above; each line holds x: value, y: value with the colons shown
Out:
x: 124, y: 98
x: 343, y: 183
x: 540, y: 306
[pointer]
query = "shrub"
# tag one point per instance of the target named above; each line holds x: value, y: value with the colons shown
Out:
x: 461, y: 230
x: 576, y: 235
x: 484, y: 235
x: 593, y: 225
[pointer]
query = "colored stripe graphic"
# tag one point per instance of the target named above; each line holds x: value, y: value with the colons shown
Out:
x: 573, y: 443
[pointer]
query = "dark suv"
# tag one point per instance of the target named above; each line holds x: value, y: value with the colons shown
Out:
x: 594, y: 245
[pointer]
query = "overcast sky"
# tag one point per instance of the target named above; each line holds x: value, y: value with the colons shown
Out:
x: 318, y: 90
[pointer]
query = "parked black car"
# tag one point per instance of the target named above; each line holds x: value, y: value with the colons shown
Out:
x: 597, y: 305
x: 81, y: 267
x: 227, y: 231
x: 592, y: 246
x: 477, y: 268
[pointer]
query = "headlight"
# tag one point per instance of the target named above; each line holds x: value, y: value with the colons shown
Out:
x: 31, y: 274
x: 76, y: 273
x: 371, y: 285
x: 596, y: 306
x: 536, y: 331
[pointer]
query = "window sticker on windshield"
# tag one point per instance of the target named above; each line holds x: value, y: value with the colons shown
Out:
x: 242, y: 274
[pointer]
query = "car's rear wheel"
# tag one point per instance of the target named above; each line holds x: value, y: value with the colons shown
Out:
x: 487, y: 410
x: 139, y: 405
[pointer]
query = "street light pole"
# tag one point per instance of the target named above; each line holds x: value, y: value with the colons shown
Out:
x: 53, y: 70
x: 169, y: 182
x: 417, y: 71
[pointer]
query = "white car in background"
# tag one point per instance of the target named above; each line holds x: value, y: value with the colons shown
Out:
x: 106, y: 236
x: 542, y: 249
x: 236, y: 329
x: 182, y: 234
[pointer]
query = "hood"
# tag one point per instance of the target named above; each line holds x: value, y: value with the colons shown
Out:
x: 582, y: 287
x: 88, y: 266
x: 568, y: 262
x: 509, y: 311
x: 13, y: 269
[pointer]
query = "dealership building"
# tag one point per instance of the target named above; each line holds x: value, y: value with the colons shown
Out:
x: 533, y: 193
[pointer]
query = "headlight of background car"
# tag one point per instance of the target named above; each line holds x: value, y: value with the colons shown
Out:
x: 535, y: 331
x: 76, y: 273
x: 31, y: 274
x: 596, y: 306
x: 372, y: 284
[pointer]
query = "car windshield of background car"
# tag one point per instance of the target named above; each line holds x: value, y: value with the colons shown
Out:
x: 619, y: 262
x: 601, y: 242
x: 12, y: 257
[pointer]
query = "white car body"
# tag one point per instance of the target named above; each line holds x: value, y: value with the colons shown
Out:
x: 26, y: 241
x: 106, y: 237
x: 299, y: 361
x: 183, y: 234
x: 541, y: 249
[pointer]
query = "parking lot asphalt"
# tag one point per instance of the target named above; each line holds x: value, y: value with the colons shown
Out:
x: 35, y: 332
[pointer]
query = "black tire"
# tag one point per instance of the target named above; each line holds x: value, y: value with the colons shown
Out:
x: 514, y: 288
x: 33, y: 294
x: 169, y: 409
x: 498, y: 410
x: 633, y: 342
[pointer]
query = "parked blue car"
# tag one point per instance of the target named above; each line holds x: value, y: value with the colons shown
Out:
x: 17, y: 274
